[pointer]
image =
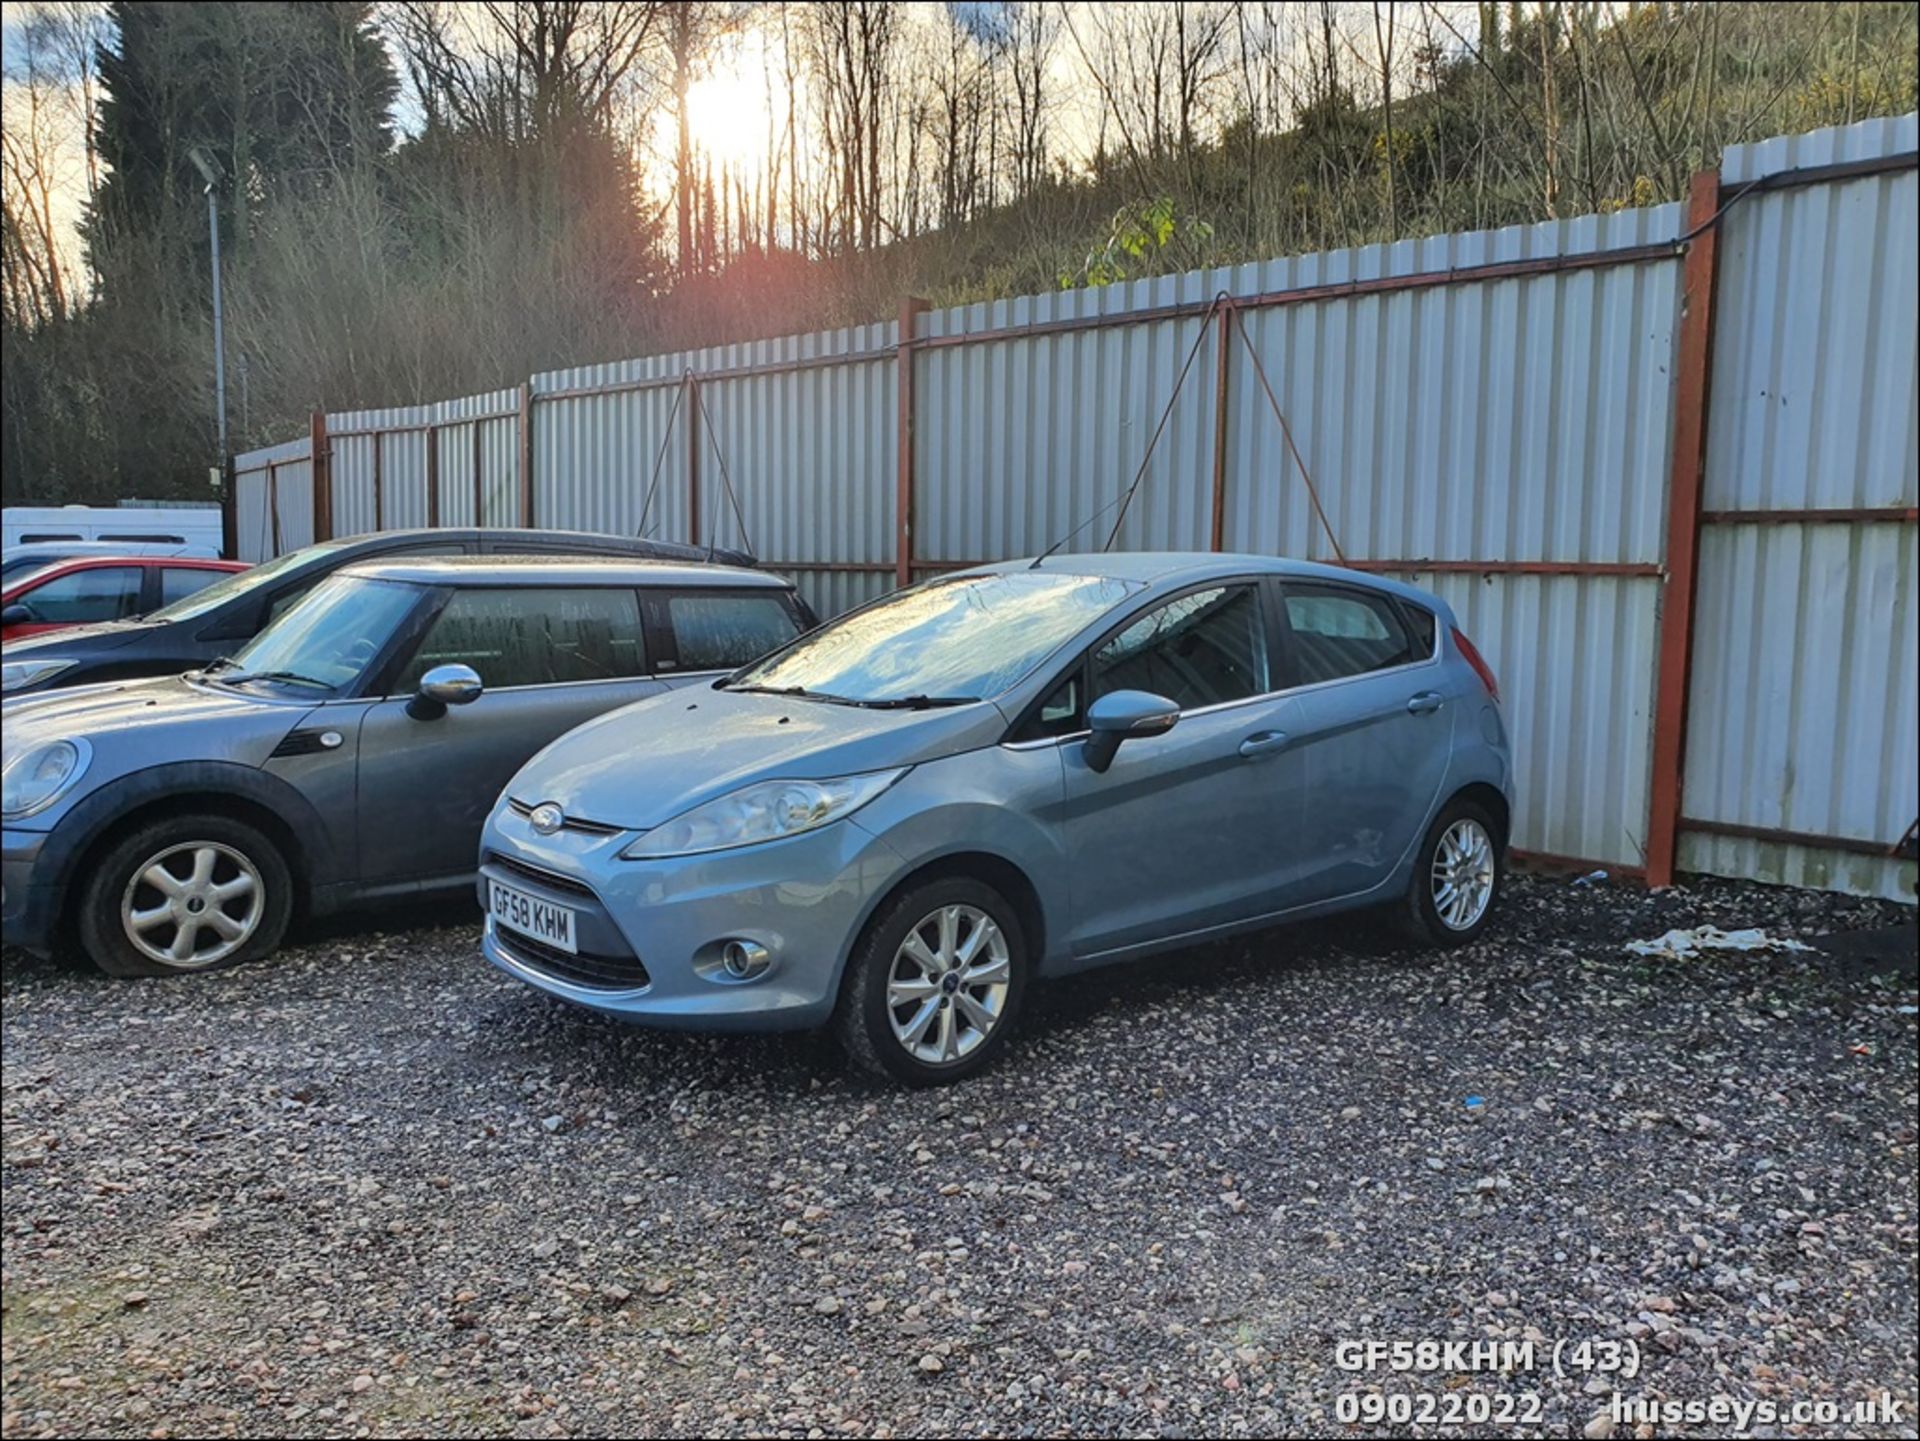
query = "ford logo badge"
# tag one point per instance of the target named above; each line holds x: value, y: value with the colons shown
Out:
x: 546, y: 818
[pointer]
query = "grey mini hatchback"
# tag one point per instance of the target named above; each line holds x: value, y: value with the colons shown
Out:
x: 346, y: 754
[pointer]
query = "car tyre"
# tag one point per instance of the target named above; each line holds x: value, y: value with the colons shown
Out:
x: 225, y: 886
x: 1457, y: 877
x: 934, y: 986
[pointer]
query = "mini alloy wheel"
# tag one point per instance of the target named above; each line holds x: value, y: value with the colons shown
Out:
x: 193, y: 905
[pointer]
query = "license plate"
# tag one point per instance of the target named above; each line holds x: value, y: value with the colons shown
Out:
x: 545, y: 922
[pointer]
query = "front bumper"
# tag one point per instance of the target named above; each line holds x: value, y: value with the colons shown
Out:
x: 29, y: 905
x: 650, y: 932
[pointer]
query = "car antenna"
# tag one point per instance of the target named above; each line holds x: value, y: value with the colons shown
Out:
x: 1125, y: 499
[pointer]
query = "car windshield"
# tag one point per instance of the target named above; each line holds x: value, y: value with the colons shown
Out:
x: 17, y: 565
x: 966, y: 638
x: 325, y: 640
x: 41, y: 569
x: 239, y: 583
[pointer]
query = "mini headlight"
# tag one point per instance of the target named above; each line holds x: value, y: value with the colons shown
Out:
x: 35, y: 778
x: 19, y: 674
x: 763, y: 812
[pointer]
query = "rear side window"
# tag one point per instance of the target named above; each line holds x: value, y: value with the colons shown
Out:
x: 177, y: 582
x: 1425, y: 629
x: 1339, y: 632
x: 82, y: 597
x: 42, y: 537
x: 527, y: 636
x: 722, y: 632
x: 1199, y: 650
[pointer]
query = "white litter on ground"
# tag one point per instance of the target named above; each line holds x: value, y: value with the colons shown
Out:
x: 1680, y: 945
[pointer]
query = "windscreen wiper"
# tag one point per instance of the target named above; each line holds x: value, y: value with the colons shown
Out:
x: 793, y: 690
x: 292, y: 677
x: 917, y: 702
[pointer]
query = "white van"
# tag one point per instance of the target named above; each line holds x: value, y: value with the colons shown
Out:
x: 185, y: 525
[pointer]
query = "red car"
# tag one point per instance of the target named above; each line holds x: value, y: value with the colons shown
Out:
x: 99, y: 588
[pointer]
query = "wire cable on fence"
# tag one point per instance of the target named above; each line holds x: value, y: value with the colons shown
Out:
x: 1126, y: 500
x: 666, y: 434
x: 739, y: 517
x: 1313, y: 493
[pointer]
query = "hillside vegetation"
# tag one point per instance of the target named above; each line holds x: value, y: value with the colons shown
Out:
x: 523, y: 217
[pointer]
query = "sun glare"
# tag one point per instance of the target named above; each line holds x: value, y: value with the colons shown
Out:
x: 728, y: 114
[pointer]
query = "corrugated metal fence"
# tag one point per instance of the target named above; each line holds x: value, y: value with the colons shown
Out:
x: 1569, y: 430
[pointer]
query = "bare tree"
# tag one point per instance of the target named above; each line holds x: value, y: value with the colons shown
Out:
x: 34, y: 238
x: 1026, y: 50
x: 515, y: 69
x: 852, y: 50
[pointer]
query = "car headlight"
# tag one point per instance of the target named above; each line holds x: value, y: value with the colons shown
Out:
x: 19, y: 674
x: 36, y: 777
x: 762, y: 812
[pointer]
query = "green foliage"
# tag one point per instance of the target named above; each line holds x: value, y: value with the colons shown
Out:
x: 1148, y: 239
x: 511, y: 235
x: 279, y: 96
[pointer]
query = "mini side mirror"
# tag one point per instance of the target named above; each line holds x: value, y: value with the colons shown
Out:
x: 17, y: 614
x: 443, y: 686
x: 1125, y: 715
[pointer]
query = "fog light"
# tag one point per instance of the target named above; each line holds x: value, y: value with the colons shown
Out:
x: 744, y: 960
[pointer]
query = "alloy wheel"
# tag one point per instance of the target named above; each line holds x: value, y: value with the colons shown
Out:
x: 947, y: 986
x: 1463, y: 875
x: 192, y: 905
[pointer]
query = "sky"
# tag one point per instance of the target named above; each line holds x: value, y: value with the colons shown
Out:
x: 730, y: 102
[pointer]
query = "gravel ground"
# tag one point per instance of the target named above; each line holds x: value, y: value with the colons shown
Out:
x: 375, y: 1188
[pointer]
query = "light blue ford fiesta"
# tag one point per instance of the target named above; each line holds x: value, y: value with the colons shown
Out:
x: 901, y: 819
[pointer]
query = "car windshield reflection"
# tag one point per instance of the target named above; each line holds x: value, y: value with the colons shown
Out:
x: 324, y: 642
x: 944, y: 643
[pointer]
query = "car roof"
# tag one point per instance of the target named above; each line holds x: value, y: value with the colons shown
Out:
x: 151, y: 562
x: 561, y: 570
x: 556, y: 542
x: 1157, y: 567
x: 53, y: 567
x: 75, y: 547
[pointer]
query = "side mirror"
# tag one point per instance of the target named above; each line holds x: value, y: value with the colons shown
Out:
x: 19, y: 613
x: 443, y: 686
x: 1125, y: 715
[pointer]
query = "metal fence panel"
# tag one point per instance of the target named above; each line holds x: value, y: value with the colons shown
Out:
x: 1019, y: 441
x: 1802, y: 709
x: 271, y: 486
x: 1518, y: 428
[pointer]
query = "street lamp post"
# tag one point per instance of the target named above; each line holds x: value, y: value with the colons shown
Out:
x: 209, y: 168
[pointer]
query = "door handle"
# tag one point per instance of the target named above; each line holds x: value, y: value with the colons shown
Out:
x: 1262, y: 743
x: 1426, y: 702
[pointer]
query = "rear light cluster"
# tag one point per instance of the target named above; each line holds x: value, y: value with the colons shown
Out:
x: 1478, y: 662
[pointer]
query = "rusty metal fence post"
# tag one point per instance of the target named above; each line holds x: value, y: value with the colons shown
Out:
x: 433, y: 476
x: 910, y: 309
x: 229, y: 512
x: 1222, y: 352
x: 690, y: 405
x: 1692, y: 385
x: 526, y: 454
x: 320, y: 466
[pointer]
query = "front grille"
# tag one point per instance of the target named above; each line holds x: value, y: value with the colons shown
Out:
x: 540, y: 876
x: 602, y: 973
x: 524, y: 809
